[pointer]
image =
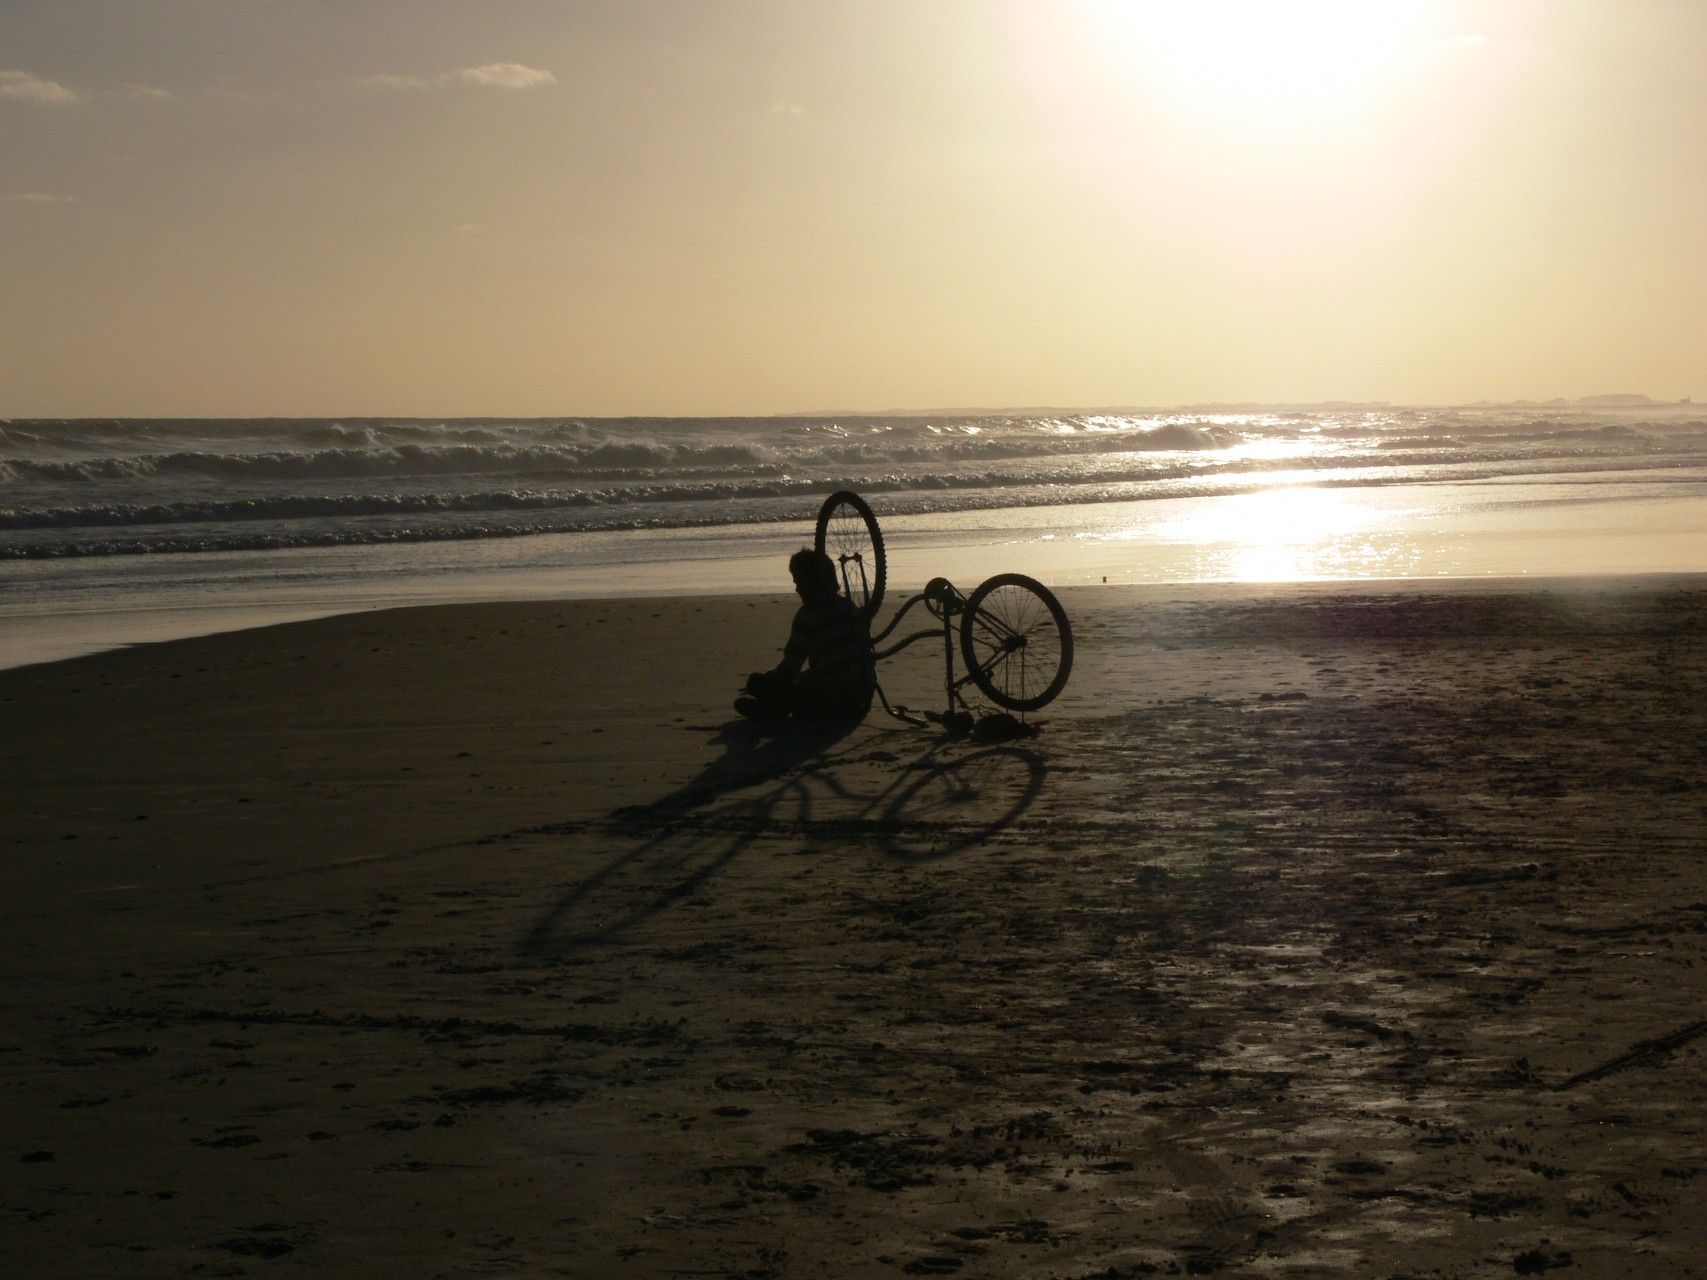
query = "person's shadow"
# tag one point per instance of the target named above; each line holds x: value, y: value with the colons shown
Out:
x: 939, y: 802
x: 753, y: 752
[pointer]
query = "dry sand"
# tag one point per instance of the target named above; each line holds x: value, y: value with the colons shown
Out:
x: 1321, y: 931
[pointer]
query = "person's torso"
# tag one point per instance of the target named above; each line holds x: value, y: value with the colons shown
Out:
x: 833, y: 636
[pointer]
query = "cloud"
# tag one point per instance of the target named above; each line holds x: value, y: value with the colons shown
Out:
x: 787, y: 109
x: 36, y: 197
x: 27, y: 86
x: 492, y: 75
x: 148, y: 91
x: 506, y: 75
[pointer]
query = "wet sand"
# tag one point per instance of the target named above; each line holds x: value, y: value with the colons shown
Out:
x: 1321, y: 931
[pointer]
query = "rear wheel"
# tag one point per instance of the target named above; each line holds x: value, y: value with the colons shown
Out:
x: 1016, y: 642
x: 848, y: 534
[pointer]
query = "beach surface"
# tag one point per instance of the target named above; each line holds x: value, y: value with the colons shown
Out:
x: 1321, y: 930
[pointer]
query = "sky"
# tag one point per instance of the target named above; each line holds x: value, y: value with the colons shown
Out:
x: 521, y: 207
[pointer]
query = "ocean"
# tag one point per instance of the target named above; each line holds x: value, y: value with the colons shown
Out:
x: 117, y: 530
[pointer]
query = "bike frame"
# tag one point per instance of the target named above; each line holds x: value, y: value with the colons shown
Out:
x: 941, y: 597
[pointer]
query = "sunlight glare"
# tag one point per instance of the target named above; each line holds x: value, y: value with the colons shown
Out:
x: 1272, y: 450
x: 1280, y: 535
x: 1260, y: 61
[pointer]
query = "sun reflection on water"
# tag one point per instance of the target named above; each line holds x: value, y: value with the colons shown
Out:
x: 1280, y: 535
x: 1265, y: 450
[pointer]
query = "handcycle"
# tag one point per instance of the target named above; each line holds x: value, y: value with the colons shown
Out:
x: 1015, y: 641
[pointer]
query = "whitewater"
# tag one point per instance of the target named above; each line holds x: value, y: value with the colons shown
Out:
x: 116, y: 530
x: 120, y: 487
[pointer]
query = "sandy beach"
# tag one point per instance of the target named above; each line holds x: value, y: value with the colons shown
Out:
x: 1322, y: 930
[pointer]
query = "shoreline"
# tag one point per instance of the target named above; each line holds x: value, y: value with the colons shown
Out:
x: 1532, y: 528
x: 164, y: 626
x: 1322, y: 930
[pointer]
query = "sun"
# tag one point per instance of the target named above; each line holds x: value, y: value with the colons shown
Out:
x: 1261, y: 63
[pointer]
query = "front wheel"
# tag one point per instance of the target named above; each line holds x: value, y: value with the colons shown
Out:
x: 1016, y: 642
x: 848, y: 534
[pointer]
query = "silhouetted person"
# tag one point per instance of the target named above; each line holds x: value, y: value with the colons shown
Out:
x: 825, y: 672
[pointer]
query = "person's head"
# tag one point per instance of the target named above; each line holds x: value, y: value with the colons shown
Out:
x: 813, y: 574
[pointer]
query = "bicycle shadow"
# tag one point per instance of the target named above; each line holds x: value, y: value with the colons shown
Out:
x: 941, y: 802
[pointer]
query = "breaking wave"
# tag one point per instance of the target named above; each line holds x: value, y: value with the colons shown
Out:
x: 119, y: 486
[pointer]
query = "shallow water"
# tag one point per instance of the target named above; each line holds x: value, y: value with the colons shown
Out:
x: 1586, y: 523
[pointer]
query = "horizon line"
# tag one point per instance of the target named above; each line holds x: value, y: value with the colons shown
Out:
x: 1622, y: 400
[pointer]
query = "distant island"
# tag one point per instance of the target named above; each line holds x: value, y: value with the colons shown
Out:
x: 1621, y: 401
x: 1614, y: 400
x: 1617, y: 400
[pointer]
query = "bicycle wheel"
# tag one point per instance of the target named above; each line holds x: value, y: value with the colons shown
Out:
x: 848, y: 534
x: 1016, y: 642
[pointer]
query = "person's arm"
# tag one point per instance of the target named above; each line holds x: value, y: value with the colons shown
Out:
x: 795, y: 651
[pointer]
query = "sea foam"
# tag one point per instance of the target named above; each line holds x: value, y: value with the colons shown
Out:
x: 128, y: 486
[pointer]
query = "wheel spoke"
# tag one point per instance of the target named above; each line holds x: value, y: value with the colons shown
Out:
x: 1016, y: 642
x: 994, y: 623
x: 847, y: 533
